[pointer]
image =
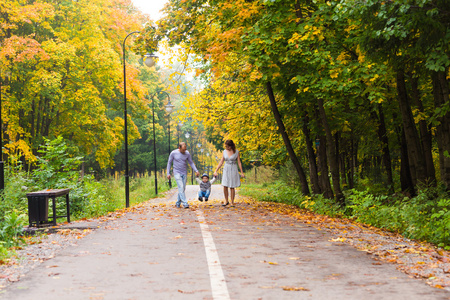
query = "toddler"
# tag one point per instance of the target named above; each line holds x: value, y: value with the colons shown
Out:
x: 205, y: 187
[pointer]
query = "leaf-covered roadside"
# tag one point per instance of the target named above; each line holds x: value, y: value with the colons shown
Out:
x: 425, y: 217
x: 417, y: 259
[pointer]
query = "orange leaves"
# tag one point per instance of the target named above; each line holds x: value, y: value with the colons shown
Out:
x: 22, y: 49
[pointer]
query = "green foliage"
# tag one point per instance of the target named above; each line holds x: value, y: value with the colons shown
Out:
x: 13, y: 196
x: 3, y: 251
x: 57, y: 166
x: 95, y: 200
x: 424, y: 217
x: 11, y: 229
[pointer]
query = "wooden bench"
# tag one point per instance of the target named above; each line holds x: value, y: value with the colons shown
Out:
x: 38, y: 206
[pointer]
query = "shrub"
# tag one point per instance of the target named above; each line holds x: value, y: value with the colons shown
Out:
x: 11, y: 229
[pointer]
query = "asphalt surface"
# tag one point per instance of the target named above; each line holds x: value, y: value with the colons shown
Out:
x: 212, y: 252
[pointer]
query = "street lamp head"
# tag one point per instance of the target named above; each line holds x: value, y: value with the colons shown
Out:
x: 187, y: 135
x: 169, y: 107
x: 149, y: 60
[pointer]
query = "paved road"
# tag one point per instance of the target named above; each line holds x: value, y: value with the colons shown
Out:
x: 211, y: 252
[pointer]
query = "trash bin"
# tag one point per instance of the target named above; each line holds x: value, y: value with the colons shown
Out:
x: 37, y: 210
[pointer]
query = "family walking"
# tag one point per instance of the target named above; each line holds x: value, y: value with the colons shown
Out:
x: 231, y: 176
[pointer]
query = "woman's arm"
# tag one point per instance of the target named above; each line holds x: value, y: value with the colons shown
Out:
x: 218, y: 167
x: 240, y: 164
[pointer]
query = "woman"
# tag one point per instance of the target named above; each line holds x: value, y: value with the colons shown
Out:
x: 230, y: 178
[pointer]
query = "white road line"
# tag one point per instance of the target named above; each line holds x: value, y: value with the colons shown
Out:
x: 218, y: 284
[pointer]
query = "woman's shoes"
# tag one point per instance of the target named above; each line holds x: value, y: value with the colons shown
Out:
x: 225, y: 204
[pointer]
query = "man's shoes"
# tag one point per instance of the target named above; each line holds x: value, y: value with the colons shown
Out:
x: 177, y: 205
x: 201, y: 199
x: 186, y: 207
x: 206, y: 199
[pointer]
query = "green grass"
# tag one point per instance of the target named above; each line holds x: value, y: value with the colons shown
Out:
x: 257, y: 191
x: 109, y: 195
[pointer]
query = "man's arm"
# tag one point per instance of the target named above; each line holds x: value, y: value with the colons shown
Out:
x: 191, y: 163
x: 169, y: 163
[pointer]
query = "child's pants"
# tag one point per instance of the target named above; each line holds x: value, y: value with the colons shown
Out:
x: 204, y: 193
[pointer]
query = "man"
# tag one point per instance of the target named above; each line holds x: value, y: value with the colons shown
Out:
x: 179, y: 158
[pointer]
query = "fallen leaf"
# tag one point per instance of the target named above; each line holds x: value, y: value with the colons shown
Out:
x: 294, y: 288
x: 340, y: 239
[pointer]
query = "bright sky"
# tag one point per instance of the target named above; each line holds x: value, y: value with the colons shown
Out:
x: 150, y: 7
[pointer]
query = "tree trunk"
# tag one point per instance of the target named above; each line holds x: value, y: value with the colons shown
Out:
x: 382, y: 136
x: 425, y: 134
x: 441, y: 99
x: 313, y: 176
x: 351, y: 164
x: 331, y: 154
x: 415, y: 153
x: 341, y: 159
x: 406, y: 181
x: 287, y: 142
x: 324, y: 180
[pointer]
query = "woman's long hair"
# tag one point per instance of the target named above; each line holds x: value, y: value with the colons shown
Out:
x: 231, y: 144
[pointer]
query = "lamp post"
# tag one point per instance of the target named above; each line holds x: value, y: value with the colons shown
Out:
x: 207, y: 158
x: 187, y: 135
x: 201, y: 150
x: 198, y: 146
x: 178, y: 130
x: 149, y: 62
x: 2, y: 164
x: 217, y: 162
x: 154, y: 146
x: 169, y: 107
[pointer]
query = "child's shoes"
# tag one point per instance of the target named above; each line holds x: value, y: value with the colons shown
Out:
x: 201, y: 199
x: 206, y: 199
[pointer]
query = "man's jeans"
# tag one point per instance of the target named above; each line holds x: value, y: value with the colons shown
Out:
x: 204, y: 193
x: 181, y: 183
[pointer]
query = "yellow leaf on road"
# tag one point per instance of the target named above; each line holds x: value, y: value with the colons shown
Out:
x: 294, y: 288
x: 340, y: 239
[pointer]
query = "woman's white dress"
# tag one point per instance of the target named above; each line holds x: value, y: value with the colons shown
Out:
x: 231, y: 176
